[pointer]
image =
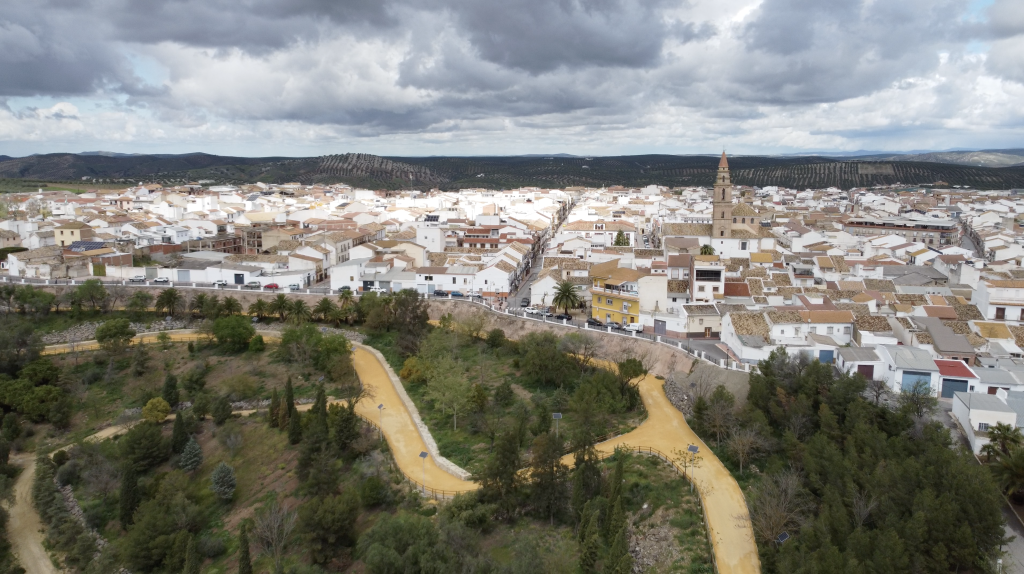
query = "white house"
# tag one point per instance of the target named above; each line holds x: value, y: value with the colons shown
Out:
x: 348, y: 274
x: 1000, y: 299
x: 907, y: 366
x: 976, y: 413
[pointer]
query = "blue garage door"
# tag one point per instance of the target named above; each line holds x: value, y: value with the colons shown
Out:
x: 950, y: 386
x: 911, y: 378
x: 825, y: 356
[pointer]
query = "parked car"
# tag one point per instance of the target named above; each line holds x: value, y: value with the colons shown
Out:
x: 162, y: 280
x: 457, y: 294
x: 638, y: 327
x: 345, y: 288
x: 294, y: 287
x: 271, y: 286
x: 220, y: 283
x: 525, y: 302
x: 440, y: 293
x: 531, y: 310
x: 138, y: 279
x: 563, y: 316
x: 616, y: 326
x: 377, y: 290
x: 546, y: 313
x: 253, y: 285
x: 594, y: 322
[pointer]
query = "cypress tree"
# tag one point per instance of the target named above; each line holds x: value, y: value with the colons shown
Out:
x: 589, y: 548
x: 616, y: 521
x: 294, y: 427
x: 244, y: 562
x: 170, y: 391
x: 620, y: 561
x: 191, y: 456
x: 275, y: 407
x: 192, y: 559
x: 221, y: 410
x: 289, y: 395
x: 179, y: 438
x: 130, y: 496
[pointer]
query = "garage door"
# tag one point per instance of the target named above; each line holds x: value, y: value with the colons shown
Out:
x: 867, y: 370
x: 659, y: 327
x: 950, y: 386
x: 913, y: 378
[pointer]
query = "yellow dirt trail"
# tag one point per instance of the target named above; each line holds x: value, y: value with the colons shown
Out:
x: 665, y: 430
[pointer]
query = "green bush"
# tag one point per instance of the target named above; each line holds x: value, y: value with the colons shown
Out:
x: 233, y: 333
x: 256, y: 344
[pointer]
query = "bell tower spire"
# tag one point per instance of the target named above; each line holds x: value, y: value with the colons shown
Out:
x: 722, y: 200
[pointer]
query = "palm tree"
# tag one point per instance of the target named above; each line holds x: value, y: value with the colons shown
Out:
x: 231, y: 306
x: 169, y: 301
x: 707, y: 249
x: 211, y: 307
x: 346, y: 299
x: 197, y: 304
x: 1005, y: 436
x: 566, y: 296
x: 1009, y: 471
x: 300, y: 311
x: 259, y: 309
x: 280, y: 306
x: 324, y: 308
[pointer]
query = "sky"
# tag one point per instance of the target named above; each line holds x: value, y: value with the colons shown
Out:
x: 486, y: 77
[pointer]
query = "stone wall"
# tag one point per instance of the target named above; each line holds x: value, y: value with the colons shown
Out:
x: 663, y: 359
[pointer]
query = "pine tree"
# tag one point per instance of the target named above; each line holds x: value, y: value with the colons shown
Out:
x: 294, y: 427
x: 192, y: 560
x: 222, y: 481
x: 130, y: 496
x: 170, y: 391
x: 314, y: 436
x: 244, y: 562
x: 191, y: 456
x: 221, y: 410
x: 549, y: 476
x: 275, y: 406
x: 615, y: 517
x: 586, y: 480
x: 589, y: 548
x: 179, y: 438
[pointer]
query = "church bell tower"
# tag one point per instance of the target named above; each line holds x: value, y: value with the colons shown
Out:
x: 721, y: 225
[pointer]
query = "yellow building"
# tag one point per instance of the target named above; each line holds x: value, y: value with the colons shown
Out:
x: 70, y: 232
x: 614, y: 293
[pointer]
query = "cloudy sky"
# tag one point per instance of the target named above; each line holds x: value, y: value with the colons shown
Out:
x: 478, y: 77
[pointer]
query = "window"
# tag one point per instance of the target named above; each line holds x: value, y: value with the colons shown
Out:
x: 351, y: 278
x: 453, y: 281
x: 485, y: 282
x: 983, y: 426
x: 796, y: 331
x: 846, y: 330
x: 715, y: 289
x: 625, y: 307
x: 830, y: 330
x: 673, y: 299
x: 734, y: 220
x: 743, y: 245
x: 812, y: 330
x: 782, y: 331
x: 700, y: 288
x: 722, y: 234
x: 609, y: 300
x: 428, y: 277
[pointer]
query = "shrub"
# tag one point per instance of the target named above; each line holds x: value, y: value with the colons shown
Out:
x: 211, y: 546
x: 60, y: 457
x: 156, y: 410
x: 115, y: 335
x: 256, y: 344
x: 233, y: 333
x: 221, y: 410
x: 374, y: 492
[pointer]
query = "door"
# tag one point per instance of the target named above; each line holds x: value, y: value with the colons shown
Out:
x: 183, y: 275
x: 913, y: 378
x: 950, y: 386
x: 659, y: 327
x: 1000, y: 312
x: 707, y: 332
x: 239, y: 278
x: 867, y: 370
x: 825, y: 356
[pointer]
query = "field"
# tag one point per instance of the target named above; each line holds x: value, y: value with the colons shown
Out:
x: 451, y: 173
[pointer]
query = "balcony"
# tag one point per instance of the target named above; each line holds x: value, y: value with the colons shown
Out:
x: 615, y: 291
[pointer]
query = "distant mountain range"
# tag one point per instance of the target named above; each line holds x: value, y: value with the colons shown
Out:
x: 986, y: 169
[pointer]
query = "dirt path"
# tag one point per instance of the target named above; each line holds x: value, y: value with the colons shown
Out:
x: 24, y: 530
x: 665, y: 430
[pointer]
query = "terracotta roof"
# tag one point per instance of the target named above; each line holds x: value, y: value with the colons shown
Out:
x: 950, y: 368
x: 678, y: 285
x: 750, y: 324
x: 873, y: 323
x: 880, y: 285
x: 686, y: 229
x: 940, y: 311
x: 743, y: 210
x: 827, y: 316
x: 784, y: 317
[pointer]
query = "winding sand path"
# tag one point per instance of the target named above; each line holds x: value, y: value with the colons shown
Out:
x: 24, y: 529
x: 664, y: 430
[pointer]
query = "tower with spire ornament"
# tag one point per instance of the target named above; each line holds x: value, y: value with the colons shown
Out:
x: 721, y: 219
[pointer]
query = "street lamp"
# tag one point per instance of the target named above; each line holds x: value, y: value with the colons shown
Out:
x: 693, y: 450
x: 557, y: 417
x: 380, y: 409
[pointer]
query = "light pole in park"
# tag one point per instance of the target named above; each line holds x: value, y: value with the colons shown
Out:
x: 557, y: 417
x: 380, y: 409
x: 423, y: 477
x: 693, y: 450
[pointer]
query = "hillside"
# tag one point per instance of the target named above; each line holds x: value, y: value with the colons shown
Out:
x: 505, y: 172
x: 983, y: 158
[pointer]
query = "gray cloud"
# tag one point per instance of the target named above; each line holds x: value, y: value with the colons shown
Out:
x: 372, y: 68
